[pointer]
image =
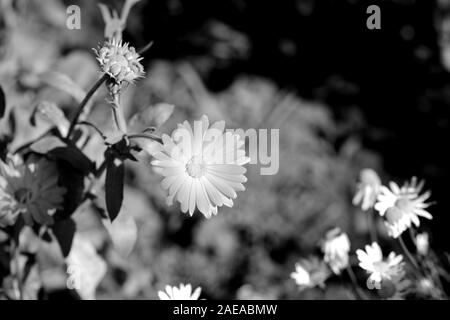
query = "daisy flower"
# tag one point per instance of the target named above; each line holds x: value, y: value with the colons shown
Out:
x: 372, y: 261
x: 367, y: 189
x: 402, y: 206
x: 202, y: 166
x: 336, y: 248
x: 30, y: 189
x: 310, y: 273
x: 183, y: 292
x: 120, y: 61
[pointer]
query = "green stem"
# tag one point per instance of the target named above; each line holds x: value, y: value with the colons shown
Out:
x: 84, y: 102
x: 371, y: 224
x: 356, y: 287
x: 408, y: 254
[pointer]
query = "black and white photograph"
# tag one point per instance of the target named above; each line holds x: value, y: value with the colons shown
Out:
x: 244, y: 151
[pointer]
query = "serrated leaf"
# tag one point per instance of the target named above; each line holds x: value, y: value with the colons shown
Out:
x: 64, y: 232
x: 47, y: 144
x: 114, y: 183
x: 51, y: 113
x: 2, y: 102
x: 123, y: 233
x: 152, y: 116
x: 64, y: 83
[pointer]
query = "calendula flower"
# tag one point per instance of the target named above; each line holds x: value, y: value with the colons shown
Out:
x: 183, y: 292
x: 372, y: 261
x: 30, y: 189
x: 367, y: 190
x: 120, y: 61
x: 422, y: 243
x: 401, y: 207
x: 310, y: 273
x: 336, y: 248
x: 202, y: 166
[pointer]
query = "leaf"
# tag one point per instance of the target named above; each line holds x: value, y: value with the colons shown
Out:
x: 46, y: 144
x: 123, y: 233
x: 114, y: 183
x: 64, y: 231
x: 75, y: 157
x: 2, y: 102
x: 51, y: 113
x: 64, y: 83
x: 152, y: 116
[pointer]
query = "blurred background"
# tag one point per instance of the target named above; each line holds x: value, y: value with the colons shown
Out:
x: 344, y: 98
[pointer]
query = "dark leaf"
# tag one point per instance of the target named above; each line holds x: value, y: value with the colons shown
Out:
x: 115, y: 174
x: 75, y: 157
x: 2, y: 102
x: 64, y: 232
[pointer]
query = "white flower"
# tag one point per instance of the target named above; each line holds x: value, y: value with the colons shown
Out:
x: 367, y: 189
x: 422, y: 243
x: 120, y: 61
x: 30, y: 189
x: 372, y: 261
x: 202, y: 167
x: 336, y: 248
x: 184, y: 292
x: 402, y: 206
x: 310, y: 273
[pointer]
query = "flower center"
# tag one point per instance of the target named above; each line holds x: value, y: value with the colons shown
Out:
x: 404, y: 204
x: 387, y: 289
x: 23, y: 195
x: 195, y: 167
x: 393, y: 214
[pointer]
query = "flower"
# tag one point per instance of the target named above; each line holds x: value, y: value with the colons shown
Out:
x: 336, y: 248
x: 367, y: 189
x: 202, y: 167
x: 395, y: 288
x: 402, y: 206
x: 422, y: 243
x: 372, y: 261
x: 184, y: 292
x: 310, y: 273
x: 29, y: 189
x: 119, y: 61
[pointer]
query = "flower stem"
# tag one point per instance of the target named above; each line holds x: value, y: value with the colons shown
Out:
x: 371, y: 225
x: 408, y: 254
x: 356, y: 287
x: 84, y: 102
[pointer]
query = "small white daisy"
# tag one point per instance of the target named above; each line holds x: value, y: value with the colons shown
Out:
x: 402, y: 207
x: 367, y: 189
x: 372, y: 261
x: 183, y: 292
x: 336, y: 249
x: 310, y: 273
x: 202, y: 166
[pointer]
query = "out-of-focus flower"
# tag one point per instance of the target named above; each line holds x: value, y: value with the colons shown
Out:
x: 372, y: 261
x: 120, y: 61
x: 367, y: 190
x: 422, y: 243
x: 183, y: 292
x: 30, y: 189
x: 85, y: 268
x: 202, y: 167
x: 395, y: 288
x: 402, y: 206
x: 336, y: 248
x: 310, y: 273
